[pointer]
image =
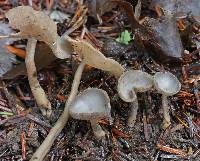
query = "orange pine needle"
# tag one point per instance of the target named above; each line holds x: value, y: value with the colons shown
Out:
x: 181, y: 25
x: 23, y: 144
x: 171, y: 150
x: 18, y: 52
x: 158, y: 10
x: 61, y: 97
x: 30, y: 129
x: 119, y: 133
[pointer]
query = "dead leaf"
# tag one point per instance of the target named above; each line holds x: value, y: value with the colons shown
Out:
x: 166, y: 46
x: 42, y: 52
x: 99, y: 7
x: 179, y: 7
x: 6, y: 58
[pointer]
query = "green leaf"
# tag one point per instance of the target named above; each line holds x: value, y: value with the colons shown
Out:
x: 6, y: 113
x: 124, y: 37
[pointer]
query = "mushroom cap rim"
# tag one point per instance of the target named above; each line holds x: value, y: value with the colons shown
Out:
x: 92, y: 115
x: 134, y: 89
x: 165, y: 91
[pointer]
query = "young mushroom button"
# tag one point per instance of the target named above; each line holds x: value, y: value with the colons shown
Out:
x: 129, y: 84
x: 92, y: 104
x: 166, y: 84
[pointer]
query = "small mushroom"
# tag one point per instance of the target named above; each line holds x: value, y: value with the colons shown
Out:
x: 35, y: 24
x: 91, y: 104
x: 129, y: 84
x: 166, y: 84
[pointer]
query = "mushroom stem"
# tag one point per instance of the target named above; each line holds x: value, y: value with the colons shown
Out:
x: 36, y: 89
x: 133, y: 114
x: 98, y: 131
x: 166, y: 121
x: 54, y: 132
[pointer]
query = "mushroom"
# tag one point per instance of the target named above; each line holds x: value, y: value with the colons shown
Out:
x: 35, y: 25
x: 92, y: 105
x: 92, y: 57
x: 166, y: 84
x: 129, y: 84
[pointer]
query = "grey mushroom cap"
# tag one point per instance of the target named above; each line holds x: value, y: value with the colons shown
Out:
x: 92, y: 103
x: 133, y: 81
x: 166, y: 83
x: 62, y: 48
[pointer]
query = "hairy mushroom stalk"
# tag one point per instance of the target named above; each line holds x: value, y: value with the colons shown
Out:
x: 166, y: 84
x: 36, y: 89
x: 92, y: 57
x: 91, y: 104
x: 129, y: 84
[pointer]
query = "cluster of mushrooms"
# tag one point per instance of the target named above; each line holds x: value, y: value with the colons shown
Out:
x: 91, y: 104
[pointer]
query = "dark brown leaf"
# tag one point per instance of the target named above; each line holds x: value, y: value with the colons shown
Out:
x: 43, y: 58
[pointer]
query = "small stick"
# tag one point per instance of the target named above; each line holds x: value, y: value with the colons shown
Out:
x: 55, y: 131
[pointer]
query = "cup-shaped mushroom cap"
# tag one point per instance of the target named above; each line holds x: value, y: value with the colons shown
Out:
x: 95, y: 58
x: 32, y: 23
x: 62, y: 48
x: 166, y: 83
x: 36, y: 24
x: 93, y: 103
x: 133, y: 81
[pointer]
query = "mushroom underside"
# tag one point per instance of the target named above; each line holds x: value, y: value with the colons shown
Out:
x: 133, y: 81
x: 90, y: 104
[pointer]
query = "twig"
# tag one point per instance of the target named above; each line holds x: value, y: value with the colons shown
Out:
x: 54, y: 132
x: 36, y: 89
